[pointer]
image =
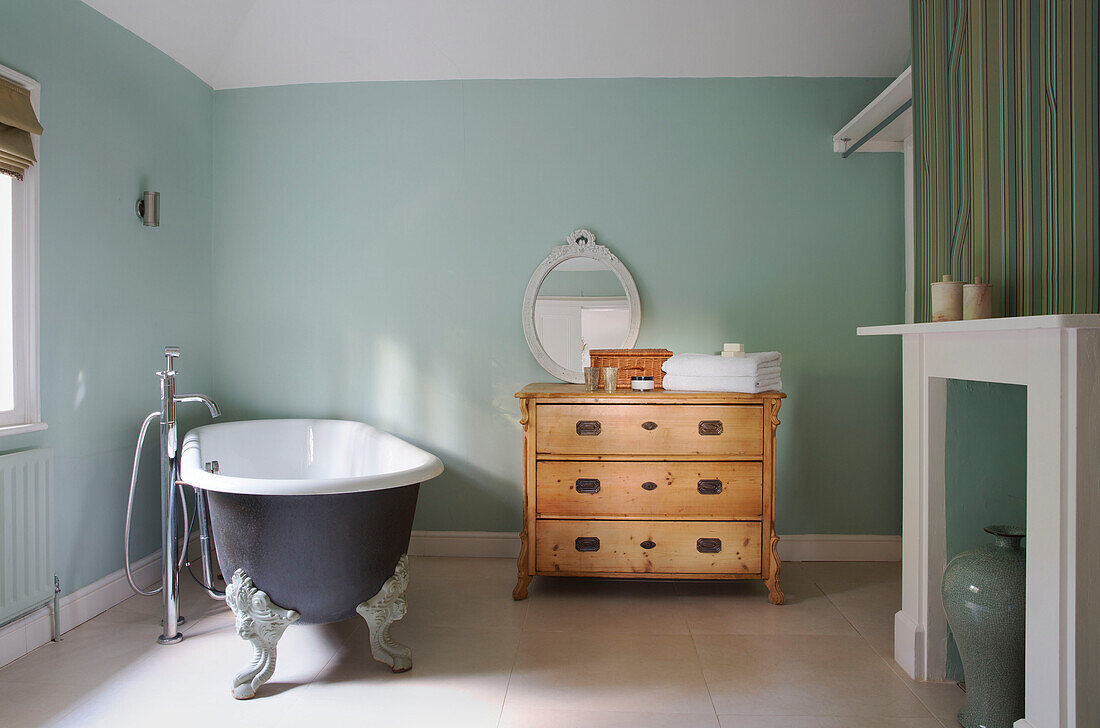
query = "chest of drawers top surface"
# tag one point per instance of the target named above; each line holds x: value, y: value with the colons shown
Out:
x: 551, y: 391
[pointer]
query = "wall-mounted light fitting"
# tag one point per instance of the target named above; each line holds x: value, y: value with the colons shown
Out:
x: 148, y: 209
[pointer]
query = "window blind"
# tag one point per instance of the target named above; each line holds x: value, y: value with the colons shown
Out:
x: 17, y: 122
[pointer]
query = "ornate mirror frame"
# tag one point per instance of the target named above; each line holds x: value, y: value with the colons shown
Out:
x: 582, y: 244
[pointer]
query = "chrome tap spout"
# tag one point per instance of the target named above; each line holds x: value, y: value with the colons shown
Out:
x: 211, y: 405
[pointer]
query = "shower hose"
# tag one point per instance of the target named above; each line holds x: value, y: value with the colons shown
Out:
x: 130, y: 511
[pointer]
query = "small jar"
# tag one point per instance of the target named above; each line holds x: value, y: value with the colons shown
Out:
x: 977, y: 300
x: 947, y: 300
x: 641, y: 384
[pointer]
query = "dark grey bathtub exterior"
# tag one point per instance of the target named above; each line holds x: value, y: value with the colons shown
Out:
x: 320, y: 555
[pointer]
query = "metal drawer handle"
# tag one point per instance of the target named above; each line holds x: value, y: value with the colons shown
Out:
x: 588, y: 427
x: 709, y: 487
x: 708, y: 545
x: 588, y: 485
x: 649, y: 425
x: 649, y: 485
x: 587, y: 543
x: 710, y: 427
x: 647, y: 544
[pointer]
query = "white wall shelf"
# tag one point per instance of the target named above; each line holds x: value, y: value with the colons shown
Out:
x: 886, y: 125
x: 891, y: 137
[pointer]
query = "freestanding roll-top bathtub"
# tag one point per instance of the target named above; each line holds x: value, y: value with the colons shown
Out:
x: 312, y: 519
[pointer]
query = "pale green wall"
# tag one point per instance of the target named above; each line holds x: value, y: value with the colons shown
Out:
x: 372, y: 243
x: 120, y: 117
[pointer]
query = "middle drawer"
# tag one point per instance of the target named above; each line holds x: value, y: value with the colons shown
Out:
x: 721, y: 490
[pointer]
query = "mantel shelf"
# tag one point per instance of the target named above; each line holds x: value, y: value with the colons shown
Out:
x: 1007, y: 323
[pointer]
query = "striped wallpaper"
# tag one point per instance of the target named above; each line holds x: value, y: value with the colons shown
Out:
x: 1006, y: 125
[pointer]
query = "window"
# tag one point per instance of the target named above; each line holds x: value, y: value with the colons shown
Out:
x: 19, y: 396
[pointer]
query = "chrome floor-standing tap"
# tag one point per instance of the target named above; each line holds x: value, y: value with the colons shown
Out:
x: 171, y: 504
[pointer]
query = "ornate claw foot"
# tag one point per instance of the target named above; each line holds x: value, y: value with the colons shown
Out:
x: 382, y: 610
x: 260, y: 622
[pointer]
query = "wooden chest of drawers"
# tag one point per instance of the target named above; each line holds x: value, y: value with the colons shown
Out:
x: 648, y: 484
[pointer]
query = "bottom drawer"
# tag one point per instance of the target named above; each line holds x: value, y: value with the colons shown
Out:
x: 647, y: 547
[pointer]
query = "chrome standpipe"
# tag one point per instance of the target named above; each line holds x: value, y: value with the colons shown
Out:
x: 170, y: 577
x: 170, y: 504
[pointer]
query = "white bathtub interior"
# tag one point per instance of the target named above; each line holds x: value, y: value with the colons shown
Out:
x: 302, y: 456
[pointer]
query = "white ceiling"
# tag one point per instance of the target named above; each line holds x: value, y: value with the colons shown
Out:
x: 238, y: 43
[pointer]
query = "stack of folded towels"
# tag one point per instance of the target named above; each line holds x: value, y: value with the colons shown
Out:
x: 750, y: 373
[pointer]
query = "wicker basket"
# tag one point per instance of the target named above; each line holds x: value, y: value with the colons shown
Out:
x: 632, y: 363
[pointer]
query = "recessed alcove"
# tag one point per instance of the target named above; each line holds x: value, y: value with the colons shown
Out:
x: 985, y: 470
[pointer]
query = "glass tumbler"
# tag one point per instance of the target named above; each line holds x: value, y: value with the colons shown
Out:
x: 591, y: 378
x: 610, y: 378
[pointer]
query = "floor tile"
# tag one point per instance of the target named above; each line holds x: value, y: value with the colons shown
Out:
x: 608, y: 672
x: 144, y: 710
x: 517, y: 718
x: 204, y: 665
x: 742, y: 607
x: 438, y: 597
x: 868, y: 594
x: 792, y: 721
x: 460, y: 674
x: 85, y: 655
x: 818, y: 675
x: 29, y: 705
x: 561, y: 604
x: 943, y: 699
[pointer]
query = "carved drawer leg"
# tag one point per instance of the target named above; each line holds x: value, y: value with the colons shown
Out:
x: 520, y: 591
x: 382, y: 610
x: 261, y: 622
x: 523, y: 577
x: 775, y: 593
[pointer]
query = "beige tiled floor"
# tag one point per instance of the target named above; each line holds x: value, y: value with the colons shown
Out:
x: 600, y: 654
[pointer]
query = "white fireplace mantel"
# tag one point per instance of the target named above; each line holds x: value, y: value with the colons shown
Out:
x: 1058, y: 359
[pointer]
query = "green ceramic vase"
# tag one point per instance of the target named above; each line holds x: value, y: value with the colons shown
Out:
x: 983, y: 594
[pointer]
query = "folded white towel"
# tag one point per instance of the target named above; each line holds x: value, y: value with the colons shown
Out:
x: 767, y: 371
x: 748, y: 385
x: 711, y: 365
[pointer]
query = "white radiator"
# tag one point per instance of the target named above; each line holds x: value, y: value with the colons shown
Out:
x: 26, y: 537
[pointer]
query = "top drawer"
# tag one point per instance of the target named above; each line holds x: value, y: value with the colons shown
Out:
x: 650, y: 429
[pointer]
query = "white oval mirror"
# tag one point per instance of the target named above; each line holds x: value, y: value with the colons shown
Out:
x: 581, y: 297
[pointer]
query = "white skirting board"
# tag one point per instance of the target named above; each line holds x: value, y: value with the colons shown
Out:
x: 800, y: 547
